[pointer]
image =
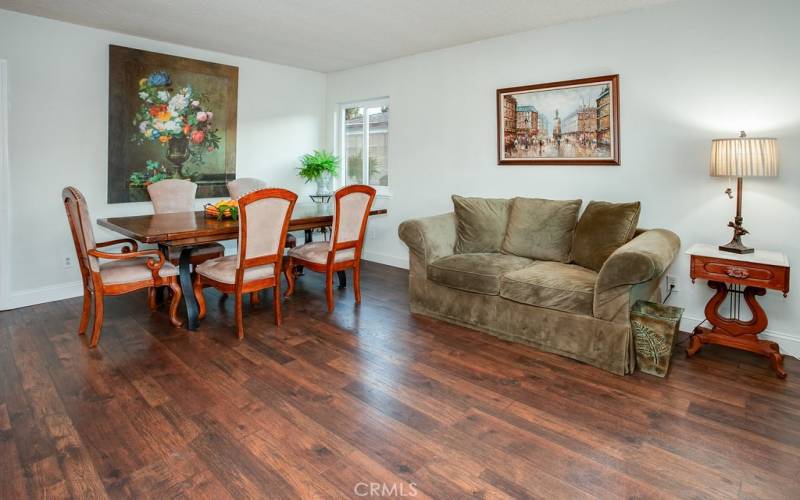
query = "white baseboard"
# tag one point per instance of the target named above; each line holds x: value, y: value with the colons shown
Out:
x: 790, y: 344
x: 51, y: 293
x: 389, y: 260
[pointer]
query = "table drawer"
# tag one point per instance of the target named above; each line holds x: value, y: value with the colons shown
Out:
x: 741, y: 273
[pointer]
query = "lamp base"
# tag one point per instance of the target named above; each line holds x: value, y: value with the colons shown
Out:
x: 736, y: 246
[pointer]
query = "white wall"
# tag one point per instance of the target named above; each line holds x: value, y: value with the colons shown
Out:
x: 689, y: 72
x: 58, y: 136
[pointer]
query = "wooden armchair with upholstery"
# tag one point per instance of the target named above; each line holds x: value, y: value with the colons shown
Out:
x: 263, y: 223
x: 130, y: 270
x: 352, y: 206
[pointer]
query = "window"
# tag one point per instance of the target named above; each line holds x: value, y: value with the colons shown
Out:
x: 366, y: 128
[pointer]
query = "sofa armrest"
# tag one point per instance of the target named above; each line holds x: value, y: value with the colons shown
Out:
x: 430, y: 238
x: 644, y: 259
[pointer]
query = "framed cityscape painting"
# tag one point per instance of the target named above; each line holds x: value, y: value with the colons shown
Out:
x: 575, y: 122
x: 169, y: 118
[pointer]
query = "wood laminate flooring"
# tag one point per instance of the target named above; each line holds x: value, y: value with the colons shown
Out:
x: 371, y: 401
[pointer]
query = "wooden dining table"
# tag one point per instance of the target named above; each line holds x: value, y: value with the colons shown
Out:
x: 187, y: 230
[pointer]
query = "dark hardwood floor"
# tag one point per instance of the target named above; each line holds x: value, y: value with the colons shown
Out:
x: 368, y: 400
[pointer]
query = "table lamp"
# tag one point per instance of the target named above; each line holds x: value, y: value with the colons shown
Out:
x: 742, y: 157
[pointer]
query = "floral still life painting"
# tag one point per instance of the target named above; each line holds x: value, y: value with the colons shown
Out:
x: 573, y: 122
x: 169, y: 118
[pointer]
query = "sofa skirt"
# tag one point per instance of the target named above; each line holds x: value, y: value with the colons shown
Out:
x: 604, y: 344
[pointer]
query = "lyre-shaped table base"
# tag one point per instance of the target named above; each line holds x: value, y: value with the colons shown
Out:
x: 733, y: 332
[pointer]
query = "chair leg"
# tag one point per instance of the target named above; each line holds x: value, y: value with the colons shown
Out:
x: 197, y: 286
x: 329, y: 289
x: 177, y: 295
x: 98, y: 318
x: 289, y: 272
x: 152, y: 301
x: 276, y: 301
x: 87, y: 308
x: 255, y: 298
x: 239, y: 320
x: 357, y: 282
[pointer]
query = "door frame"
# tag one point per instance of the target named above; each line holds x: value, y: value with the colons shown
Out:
x: 5, y: 193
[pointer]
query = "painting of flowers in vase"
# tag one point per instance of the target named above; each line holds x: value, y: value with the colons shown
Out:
x: 169, y: 118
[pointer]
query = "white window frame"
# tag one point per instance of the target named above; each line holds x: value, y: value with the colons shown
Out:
x: 341, y: 149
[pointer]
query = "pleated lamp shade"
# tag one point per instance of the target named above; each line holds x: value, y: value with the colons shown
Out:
x: 744, y: 157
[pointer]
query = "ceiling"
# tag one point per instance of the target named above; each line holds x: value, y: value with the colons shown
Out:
x: 323, y: 35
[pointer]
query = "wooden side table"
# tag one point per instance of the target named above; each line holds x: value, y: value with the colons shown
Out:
x: 734, y: 277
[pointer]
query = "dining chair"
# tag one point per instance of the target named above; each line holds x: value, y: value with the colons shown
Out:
x: 343, y: 251
x: 244, y: 185
x: 263, y: 223
x: 178, y: 195
x: 130, y: 270
x: 171, y: 196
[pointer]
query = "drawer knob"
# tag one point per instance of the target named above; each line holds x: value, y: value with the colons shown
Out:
x: 737, y: 272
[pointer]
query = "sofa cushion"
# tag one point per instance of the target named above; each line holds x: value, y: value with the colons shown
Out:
x: 554, y: 285
x: 603, y: 228
x: 475, y: 272
x: 541, y: 229
x: 480, y: 224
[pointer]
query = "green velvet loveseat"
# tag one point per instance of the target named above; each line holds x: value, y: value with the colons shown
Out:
x: 556, y: 306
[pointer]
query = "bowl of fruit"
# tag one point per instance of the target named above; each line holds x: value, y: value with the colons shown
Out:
x: 225, y: 209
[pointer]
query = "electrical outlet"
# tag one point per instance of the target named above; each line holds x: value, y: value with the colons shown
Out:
x: 671, y: 283
x: 68, y: 262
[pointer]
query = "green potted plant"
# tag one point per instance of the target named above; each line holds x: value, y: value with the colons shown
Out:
x: 320, y: 166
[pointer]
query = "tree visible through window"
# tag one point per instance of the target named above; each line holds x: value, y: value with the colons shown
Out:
x: 366, y: 128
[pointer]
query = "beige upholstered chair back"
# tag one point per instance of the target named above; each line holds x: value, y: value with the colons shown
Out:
x: 242, y: 186
x: 172, y: 195
x: 263, y: 222
x: 81, y: 227
x: 353, y: 204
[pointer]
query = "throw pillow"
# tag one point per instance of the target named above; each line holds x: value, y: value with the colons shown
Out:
x: 602, y: 229
x: 541, y: 229
x: 480, y: 224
